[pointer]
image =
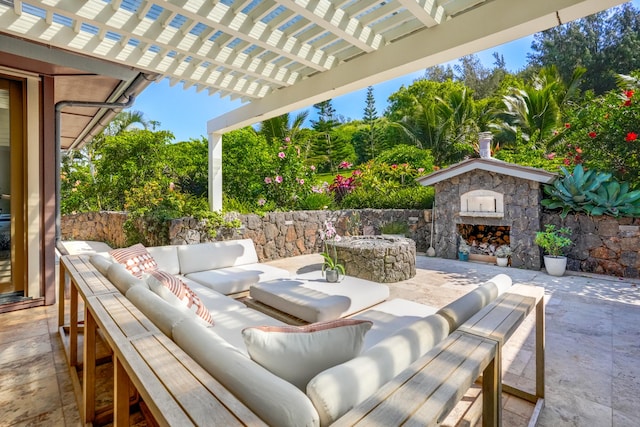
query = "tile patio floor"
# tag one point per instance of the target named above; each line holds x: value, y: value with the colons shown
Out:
x: 592, y: 348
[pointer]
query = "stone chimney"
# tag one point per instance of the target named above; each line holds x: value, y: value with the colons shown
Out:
x: 485, y: 144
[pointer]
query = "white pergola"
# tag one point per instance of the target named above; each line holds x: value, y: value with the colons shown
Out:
x: 281, y: 55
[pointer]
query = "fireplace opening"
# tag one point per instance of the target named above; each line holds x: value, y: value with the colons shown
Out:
x: 485, y: 239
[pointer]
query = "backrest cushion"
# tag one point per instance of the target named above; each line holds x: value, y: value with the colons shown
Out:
x: 337, y: 390
x: 273, y: 399
x: 461, y: 310
x: 135, y: 258
x: 122, y: 278
x: 166, y: 257
x: 297, y: 353
x: 162, y: 314
x: 177, y: 293
x: 215, y: 255
x: 101, y: 263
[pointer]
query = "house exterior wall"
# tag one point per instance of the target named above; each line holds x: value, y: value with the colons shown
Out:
x: 521, y: 212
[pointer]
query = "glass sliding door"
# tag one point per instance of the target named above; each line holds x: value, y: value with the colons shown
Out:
x: 12, y: 240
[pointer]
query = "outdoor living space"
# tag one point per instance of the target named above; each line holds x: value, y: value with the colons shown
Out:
x: 591, y: 347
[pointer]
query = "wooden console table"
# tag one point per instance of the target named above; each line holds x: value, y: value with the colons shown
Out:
x: 425, y: 393
x: 499, y: 320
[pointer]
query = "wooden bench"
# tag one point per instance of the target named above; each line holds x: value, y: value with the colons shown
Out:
x: 176, y: 390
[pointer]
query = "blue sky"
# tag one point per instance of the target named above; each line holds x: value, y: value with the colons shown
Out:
x: 186, y: 112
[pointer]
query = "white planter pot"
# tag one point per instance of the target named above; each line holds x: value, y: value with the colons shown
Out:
x: 555, y: 266
x: 502, y: 262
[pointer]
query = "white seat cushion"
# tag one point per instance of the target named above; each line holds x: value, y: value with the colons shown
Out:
x: 232, y: 280
x: 390, y: 316
x: 229, y: 325
x: 315, y: 300
x: 166, y: 257
x: 214, y: 255
x: 214, y: 301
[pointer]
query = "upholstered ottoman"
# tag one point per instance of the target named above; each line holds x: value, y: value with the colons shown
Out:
x: 311, y: 298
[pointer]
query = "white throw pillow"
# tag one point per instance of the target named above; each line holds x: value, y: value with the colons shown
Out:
x: 298, y: 353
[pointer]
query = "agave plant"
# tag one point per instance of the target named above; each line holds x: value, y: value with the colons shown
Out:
x: 615, y: 199
x: 595, y: 193
x: 572, y: 191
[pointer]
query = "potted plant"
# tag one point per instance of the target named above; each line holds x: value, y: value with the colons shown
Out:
x: 463, y: 250
x: 502, y: 255
x: 330, y: 267
x: 552, y: 241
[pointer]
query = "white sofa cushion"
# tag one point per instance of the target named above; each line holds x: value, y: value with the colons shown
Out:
x: 135, y: 258
x: 229, y: 325
x: 122, y: 278
x: 460, y: 310
x: 298, y: 353
x: 337, y: 390
x: 232, y: 280
x: 390, y: 316
x: 101, y: 263
x: 311, y: 298
x: 166, y: 257
x: 274, y: 400
x: 214, y: 255
x: 164, y: 315
x: 214, y: 301
x: 173, y: 290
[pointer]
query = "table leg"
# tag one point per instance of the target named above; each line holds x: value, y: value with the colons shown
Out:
x: 120, y: 394
x: 540, y: 348
x: 89, y: 368
x: 62, y: 275
x: 73, y: 325
x: 492, y: 392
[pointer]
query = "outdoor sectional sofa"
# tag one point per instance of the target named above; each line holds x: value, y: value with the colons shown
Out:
x: 401, y: 332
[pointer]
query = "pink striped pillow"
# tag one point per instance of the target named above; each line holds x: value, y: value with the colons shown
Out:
x: 135, y: 258
x: 181, y: 293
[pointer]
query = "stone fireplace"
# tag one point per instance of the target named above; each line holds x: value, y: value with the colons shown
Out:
x: 492, y: 201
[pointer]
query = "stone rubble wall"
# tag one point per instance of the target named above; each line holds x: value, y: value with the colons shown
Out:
x: 276, y: 234
x: 601, y: 244
x: 104, y: 226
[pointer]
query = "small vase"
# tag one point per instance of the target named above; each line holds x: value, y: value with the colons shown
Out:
x: 332, y: 276
x: 555, y: 266
x: 502, y: 262
x: 463, y: 257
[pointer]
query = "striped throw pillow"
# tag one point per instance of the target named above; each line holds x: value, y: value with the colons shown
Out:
x: 135, y: 258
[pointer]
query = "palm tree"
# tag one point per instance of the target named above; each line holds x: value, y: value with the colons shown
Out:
x: 278, y: 128
x: 535, y: 112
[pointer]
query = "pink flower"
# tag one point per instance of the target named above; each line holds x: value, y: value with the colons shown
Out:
x: 420, y: 170
x: 631, y: 136
x: 261, y: 202
x: 578, y: 150
x: 592, y: 134
x: 551, y: 156
x: 394, y: 166
x: 356, y: 172
x: 567, y: 125
x: 301, y: 181
x: 287, y: 139
x: 278, y: 179
x: 345, y: 165
x: 567, y: 162
x: 281, y: 155
x: 172, y: 186
x: 267, y: 180
x: 313, y: 168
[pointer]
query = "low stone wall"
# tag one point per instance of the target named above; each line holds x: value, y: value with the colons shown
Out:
x: 276, y: 234
x: 602, y: 245
x: 101, y: 226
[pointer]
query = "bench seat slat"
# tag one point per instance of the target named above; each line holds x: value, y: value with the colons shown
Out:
x: 195, y: 400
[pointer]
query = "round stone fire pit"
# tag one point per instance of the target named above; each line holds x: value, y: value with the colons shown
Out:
x: 382, y: 259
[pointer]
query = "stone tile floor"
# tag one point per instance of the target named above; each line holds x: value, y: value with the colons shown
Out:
x: 592, y: 348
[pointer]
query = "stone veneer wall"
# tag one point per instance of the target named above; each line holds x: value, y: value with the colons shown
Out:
x: 276, y: 234
x: 602, y: 244
x: 522, y: 213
